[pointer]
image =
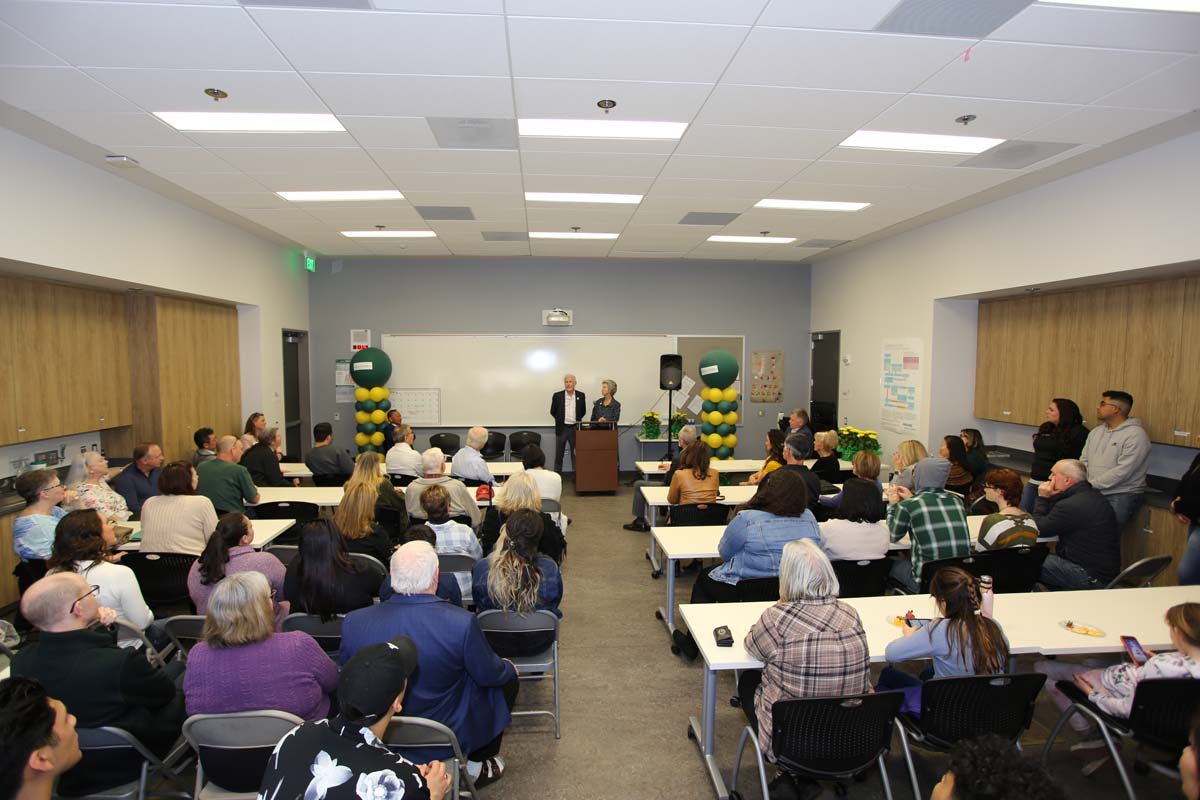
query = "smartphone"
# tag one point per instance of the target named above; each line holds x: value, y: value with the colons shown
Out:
x: 1134, y: 648
x: 916, y: 622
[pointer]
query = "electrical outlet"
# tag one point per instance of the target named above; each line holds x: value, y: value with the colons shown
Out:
x: 337, y: 417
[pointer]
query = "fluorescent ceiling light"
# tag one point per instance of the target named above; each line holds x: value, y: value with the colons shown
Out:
x: 1141, y: 5
x: 231, y: 122
x: 570, y: 235
x: 601, y: 128
x: 329, y: 197
x: 582, y: 197
x: 811, y: 205
x: 389, y: 234
x: 919, y: 142
x: 754, y: 239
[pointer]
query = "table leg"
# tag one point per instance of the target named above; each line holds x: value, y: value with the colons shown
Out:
x: 652, y: 553
x: 667, y: 614
x: 703, y: 733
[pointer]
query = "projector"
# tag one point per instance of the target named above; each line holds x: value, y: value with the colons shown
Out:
x: 558, y: 317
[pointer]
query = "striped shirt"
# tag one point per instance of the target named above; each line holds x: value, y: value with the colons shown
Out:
x: 937, y: 524
x: 1007, y: 530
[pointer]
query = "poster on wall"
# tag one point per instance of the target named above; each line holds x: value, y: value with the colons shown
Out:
x: 900, y: 387
x: 766, y: 376
x: 360, y: 338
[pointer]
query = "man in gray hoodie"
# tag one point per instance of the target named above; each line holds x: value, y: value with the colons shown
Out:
x: 1116, y: 454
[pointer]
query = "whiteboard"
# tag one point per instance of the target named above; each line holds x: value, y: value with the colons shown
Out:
x: 507, y: 381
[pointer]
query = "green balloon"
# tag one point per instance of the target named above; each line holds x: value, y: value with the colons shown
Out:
x: 370, y: 367
x: 724, y: 407
x: 384, y: 405
x: 707, y: 428
x: 369, y: 405
x: 725, y: 372
x: 733, y: 405
x: 358, y: 405
x: 725, y: 429
x: 372, y: 448
x: 368, y: 428
x: 709, y: 405
x: 362, y: 427
x: 723, y: 452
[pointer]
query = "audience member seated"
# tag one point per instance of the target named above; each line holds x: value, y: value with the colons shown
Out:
x: 390, y: 429
x: 177, y: 520
x: 459, y: 681
x: 808, y: 627
x: 226, y: 482
x: 516, y: 577
x: 83, y: 543
x: 797, y: 422
x: 206, y: 446
x: 1186, y: 507
x: 324, y: 459
x: 1010, y: 526
x: 828, y: 466
x: 795, y: 452
x: 453, y: 538
x: 243, y: 664
x: 1061, y: 436
x: 262, y: 460
x: 694, y: 483
x: 33, y: 526
x: 1088, y: 553
x: 345, y: 758
x: 401, y: 458
x: 138, y: 482
x: 366, y: 473
x: 991, y: 768
x: 687, y: 435
x: 774, y: 460
x: 447, y: 588
x: 355, y: 518
x: 1116, y: 454
x: 858, y: 530
x: 961, y: 641
x: 88, y: 479
x: 38, y: 742
x: 904, y: 460
x: 977, y: 457
x: 468, y: 464
x: 864, y: 465
x: 462, y: 501
x: 256, y: 423
x: 959, y: 479
x: 520, y: 492
x: 549, y: 483
x: 101, y: 683
x: 1189, y: 762
x: 932, y: 518
x: 1112, y: 688
x: 229, y: 552
x: 322, y: 579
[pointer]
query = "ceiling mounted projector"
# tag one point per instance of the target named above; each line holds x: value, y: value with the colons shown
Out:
x: 558, y: 317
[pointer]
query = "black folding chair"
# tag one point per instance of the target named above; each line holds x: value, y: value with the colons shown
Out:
x: 330, y: 480
x: 392, y: 521
x: 414, y: 736
x: 233, y: 749
x: 1140, y: 573
x: 185, y: 631
x: 699, y: 514
x: 402, y: 480
x: 862, y: 578
x: 328, y: 633
x: 493, y: 449
x: 448, y: 443
x: 119, y: 755
x: 519, y: 440
x: 162, y: 578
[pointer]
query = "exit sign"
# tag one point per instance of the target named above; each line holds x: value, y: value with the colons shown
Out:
x: 310, y: 263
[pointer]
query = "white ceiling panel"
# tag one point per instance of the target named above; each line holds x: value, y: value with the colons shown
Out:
x: 901, y: 175
x: 413, y: 95
x: 176, y: 159
x: 738, y: 169
x: 785, y: 107
x: 388, y: 43
x: 431, y: 160
x: 682, y: 235
x: 566, y: 144
x: 207, y: 183
x: 587, y: 217
x: 861, y: 15
x: 586, y: 183
x: 714, y: 11
x: 542, y: 98
x: 17, y: 50
x: 797, y: 255
x: 444, y: 6
x: 1001, y: 119
x: 633, y: 51
x: 393, y: 216
x: 496, y: 249
x: 570, y: 248
x: 391, y: 132
x: 1102, y: 27
x: 145, y: 35
x: 647, y: 254
x: 307, y: 139
x: 57, y: 89
x: 1046, y: 73
x: 296, y: 159
x: 256, y: 200
x: 1175, y: 88
x: 725, y: 251
x: 702, y: 187
x: 183, y: 90
x: 481, y: 200
x: 799, y: 189
x: 896, y: 157
x: 116, y: 130
x: 276, y: 217
x: 817, y: 59
x: 455, y: 182
x: 411, y: 247
x: 1097, y: 125
x: 633, y: 165
x: 293, y: 181
x: 741, y: 140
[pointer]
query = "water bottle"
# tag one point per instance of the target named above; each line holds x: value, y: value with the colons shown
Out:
x: 985, y: 595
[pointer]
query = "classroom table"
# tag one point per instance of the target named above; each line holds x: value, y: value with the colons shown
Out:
x: 499, y: 469
x: 1030, y: 621
x: 324, y: 496
x: 656, y: 497
x: 265, y: 532
x: 643, y: 441
x: 733, y: 465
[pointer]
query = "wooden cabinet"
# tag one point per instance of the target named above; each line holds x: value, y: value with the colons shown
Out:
x: 1186, y: 429
x: 8, y: 359
x: 1155, y: 532
x: 8, y: 562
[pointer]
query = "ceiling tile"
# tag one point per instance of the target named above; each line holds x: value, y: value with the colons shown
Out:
x: 484, y: 203
x: 800, y: 189
x: 1047, y: 73
x: 634, y: 165
x: 1175, y: 88
x: 247, y: 200
x: 183, y: 90
x: 145, y: 35
x: 383, y: 42
x: 586, y: 183
x: 345, y: 218
x: 950, y: 17
x: 57, y: 89
x: 499, y: 249
x: 206, y: 183
x: 17, y: 50
x: 389, y: 132
x: 724, y: 189
x: 571, y: 247
x: 565, y: 144
x: 306, y: 139
x: 669, y: 210
x: 455, y: 182
x: 413, y: 95
x: 867, y: 156
x: 713, y: 11
x: 116, y: 130
x: 634, y: 51
x: 742, y: 169
x: 740, y: 140
x: 586, y: 216
x: 176, y: 159
x: 445, y: 6
x: 1002, y: 119
x: 296, y: 159
x: 303, y: 181
x: 1100, y: 125
x: 430, y: 160
x: 817, y: 59
x: 785, y: 107
x: 1103, y: 27
x: 670, y: 255
x: 901, y: 175
x: 861, y: 15
x: 547, y: 98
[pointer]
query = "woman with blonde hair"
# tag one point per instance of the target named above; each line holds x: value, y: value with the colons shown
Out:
x: 355, y: 518
x: 239, y: 638
x: 521, y: 492
x: 88, y: 478
x: 907, y: 454
x: 367, y: 473
x: 828, y: 466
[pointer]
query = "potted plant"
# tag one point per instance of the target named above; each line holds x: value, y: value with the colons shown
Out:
x: 678, y: 420
x: 851, y: 440
x: 651, y: 425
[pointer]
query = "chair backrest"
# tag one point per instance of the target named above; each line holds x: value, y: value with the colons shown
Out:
x: 1162, y: 711
x: 114, y: 753
x: 455, y: 562
x: 758, y: 590
x: 519, y: 440
x: 372, y: 564
x: 1140, y: 573
x: 185, y: 630
x: 327, y: 633
x: 494, y: 447
x: 392, y: 521
x: 448, y: 443
x: 286, y: 509
x: 551, y: 506
x: 953, y: 709
x: 862, y: 578
x: 513, y: 621
x: 967, y: 562
x: 284, y: 552
x: 833, y: 735
x: 234, y: 748
x: 526, y: 638
x: 402, y: 480
x: 699, y: 514
x: 127, y: 630
x: 421, y: 740
x: 161, y: 576
x: 330, y: 480
x: 1013, y: 569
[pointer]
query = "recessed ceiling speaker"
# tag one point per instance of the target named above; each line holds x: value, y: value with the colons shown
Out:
x: 670, y: 371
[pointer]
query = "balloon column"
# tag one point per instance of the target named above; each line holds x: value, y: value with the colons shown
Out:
x: 370, y: 369
x: 718, y: 371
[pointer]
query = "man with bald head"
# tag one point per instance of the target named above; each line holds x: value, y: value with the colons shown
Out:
x: 1088, y: 554
x: 567, y: 408
x: 468, y: 463
x: 77, y: 659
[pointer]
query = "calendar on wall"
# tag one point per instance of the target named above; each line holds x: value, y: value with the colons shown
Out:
x: 418, y: 406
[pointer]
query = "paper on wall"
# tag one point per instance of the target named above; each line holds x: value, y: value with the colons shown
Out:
x: 697, y: 404
x: 686, y: 385
x: 341, y: 372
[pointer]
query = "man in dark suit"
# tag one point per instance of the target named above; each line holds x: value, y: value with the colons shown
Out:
x: 567, y: 408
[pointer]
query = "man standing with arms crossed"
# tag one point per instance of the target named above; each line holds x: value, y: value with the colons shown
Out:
x: 567, y: 408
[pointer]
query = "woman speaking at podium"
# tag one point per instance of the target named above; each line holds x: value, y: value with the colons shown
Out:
x: 607, y: 409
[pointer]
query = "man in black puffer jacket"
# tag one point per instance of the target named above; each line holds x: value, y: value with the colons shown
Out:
x: 1088, y: 554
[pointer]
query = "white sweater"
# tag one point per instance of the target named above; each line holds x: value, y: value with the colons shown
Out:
x: 119, y: 591
x: 177, y: 523
x: 855, y: 541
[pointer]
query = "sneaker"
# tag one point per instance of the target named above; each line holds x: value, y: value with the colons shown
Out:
x: 637, y: 526
x: 685, y: 644
x: 783, y: 787
x: 490, y: 771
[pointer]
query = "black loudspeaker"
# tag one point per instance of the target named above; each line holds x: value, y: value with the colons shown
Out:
x: 670, y: 371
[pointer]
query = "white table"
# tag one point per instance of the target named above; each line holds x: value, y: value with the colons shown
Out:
x: 265, y: 532
x: 642, y: 442
x: 499, y: 469
x: 734, y: 465
x: 1030, y: 621
x: 656, y: 497
x: 327, y: 496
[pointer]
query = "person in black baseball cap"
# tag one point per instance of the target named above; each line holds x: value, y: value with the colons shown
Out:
x: 344, y: 758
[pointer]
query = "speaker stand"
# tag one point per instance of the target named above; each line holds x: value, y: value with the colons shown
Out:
x: 670, y: 455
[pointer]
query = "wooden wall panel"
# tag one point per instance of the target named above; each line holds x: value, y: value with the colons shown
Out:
x: 1186, y: 427
x: 8, y: 562
x: 142, y: 311
x: 1154, y: 532
x: 8, y: 354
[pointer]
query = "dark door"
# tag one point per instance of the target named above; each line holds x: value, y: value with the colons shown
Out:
x: 296, y: 435
x: 826, y: 357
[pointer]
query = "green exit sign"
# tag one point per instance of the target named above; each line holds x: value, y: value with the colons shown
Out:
x: 310, y: 263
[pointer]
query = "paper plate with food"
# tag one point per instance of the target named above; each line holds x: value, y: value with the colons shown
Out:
x: 1082, y: 628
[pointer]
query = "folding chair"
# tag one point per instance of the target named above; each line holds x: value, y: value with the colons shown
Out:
x: 391, y: 520
x: 233, y: 750
x: 493, y: 449
x: 448, y: 443
x: 455, y: 562
x: 286, y: 553
x: 372, y: 564
x: 109, y: 746
x: 519, y: 440
x: 156, y: 657
x: 328, y: 633
x: 1140, y: 573
x: 185, y: 630
x: 862, y: 578
x: 699, y: 514
x: 408, y: 735
x: 329, y: 480
x: 537, y: 626
x: 402, y: 480
x: 162, y: 578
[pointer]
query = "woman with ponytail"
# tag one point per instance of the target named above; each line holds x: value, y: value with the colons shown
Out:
x: 229, y: 551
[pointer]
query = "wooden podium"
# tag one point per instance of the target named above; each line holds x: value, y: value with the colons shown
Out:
x: 595, y: 457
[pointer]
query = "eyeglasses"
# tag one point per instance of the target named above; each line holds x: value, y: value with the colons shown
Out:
x: 95, y: 590
x: 55, y: 486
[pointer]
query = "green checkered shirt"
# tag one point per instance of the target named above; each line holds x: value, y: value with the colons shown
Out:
x: 937, y: 524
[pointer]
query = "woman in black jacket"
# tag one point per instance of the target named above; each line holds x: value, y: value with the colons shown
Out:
x: 322, y: 579
x: 1061, y: 436
x: 1186, y: 506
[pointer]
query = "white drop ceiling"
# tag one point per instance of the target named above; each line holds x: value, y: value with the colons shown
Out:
x: 769, y: 89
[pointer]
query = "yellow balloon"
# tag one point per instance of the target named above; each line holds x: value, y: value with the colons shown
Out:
x: 361, y: 394
x: 730, y: 441
x: 378, y: 393
x: 361, y: 439
x: 715, y: 394
x: 715, y: 418
x: 377, y: 438
x: 378, y: 417
x: 361, y: 417
x: 731, y: 417
x: 729, y: 394
x: 714, y: 440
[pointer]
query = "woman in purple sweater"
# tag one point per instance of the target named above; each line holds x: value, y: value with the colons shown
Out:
x: 243, y: 665
x: 228, y: 552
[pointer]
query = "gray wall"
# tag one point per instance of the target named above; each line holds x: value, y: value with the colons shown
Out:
x: 768, y: 303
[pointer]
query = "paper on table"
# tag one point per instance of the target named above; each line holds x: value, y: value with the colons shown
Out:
x: 686, y: 385
x: 697, y: 404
